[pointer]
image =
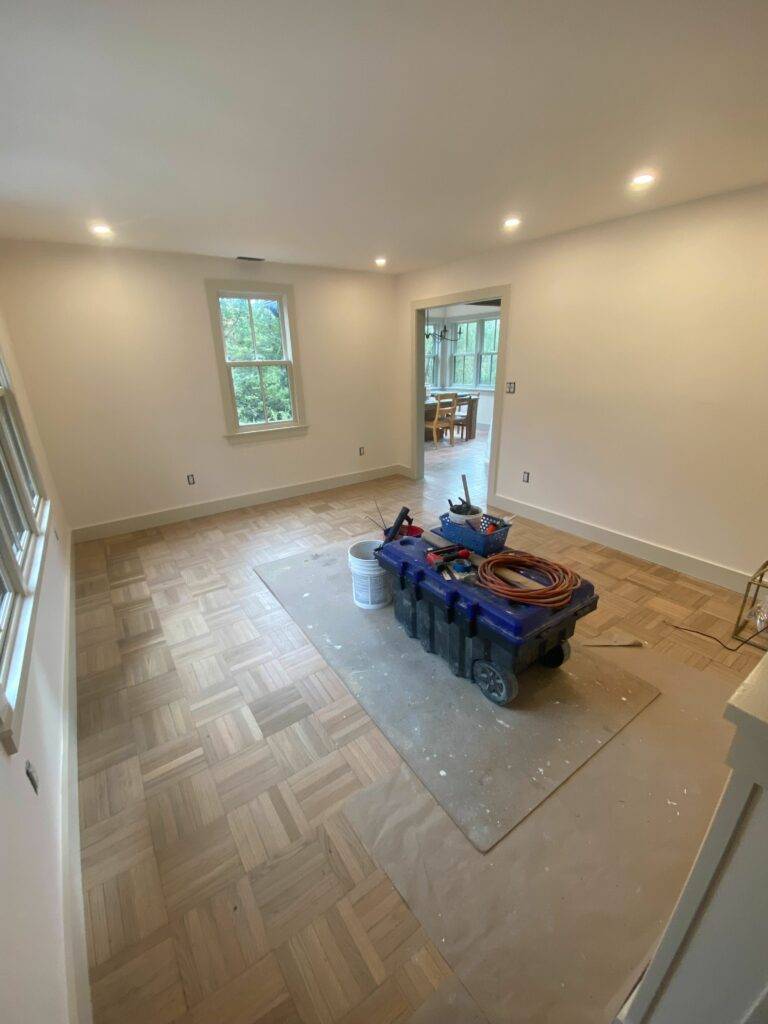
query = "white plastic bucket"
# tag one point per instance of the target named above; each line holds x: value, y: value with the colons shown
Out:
x: 371, y: 585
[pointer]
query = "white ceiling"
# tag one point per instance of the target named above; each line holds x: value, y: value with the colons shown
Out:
x: 332, y: 131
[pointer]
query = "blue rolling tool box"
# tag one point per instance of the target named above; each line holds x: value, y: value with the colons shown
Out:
x: 482, y: 636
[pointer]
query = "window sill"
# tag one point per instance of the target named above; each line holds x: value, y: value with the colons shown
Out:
x: 268, y: 434
x: 469, y: 388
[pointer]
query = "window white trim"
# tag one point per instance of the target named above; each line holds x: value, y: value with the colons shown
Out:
x: 283, y: 295
x: 21, y: 561
x: 247, y: 436
x: 446, y: 353
x: 478, y: 354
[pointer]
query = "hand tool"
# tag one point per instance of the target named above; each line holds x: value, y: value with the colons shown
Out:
x: 466, y: 488
x: 402, y: 517
x: 441, y: 554
x: 442, y: 560
x: 381, y: 517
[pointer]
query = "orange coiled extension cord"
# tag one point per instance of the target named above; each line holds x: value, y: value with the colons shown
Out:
x: 555, y: 594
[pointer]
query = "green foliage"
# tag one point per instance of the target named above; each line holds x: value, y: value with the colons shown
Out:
x: 254, y: 333
x: 249, y: 394
x: 466, y: 342
x: 236, y: 327
x: 464, y: 370
x: 490, y: 352
x: 466, y: 351
x: 267, y: 329
x: 491, y: 336
x: 277, y: 387
x: 431, y: 350
x: 488, y: 369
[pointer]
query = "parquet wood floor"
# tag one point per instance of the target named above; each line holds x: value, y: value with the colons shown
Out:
x: 216, y: 747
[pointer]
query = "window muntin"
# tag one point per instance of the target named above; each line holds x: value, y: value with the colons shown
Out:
x: 489, y: 354
x: 6, y: 606
x: 13, y: 526
x: 24, y: 514
x: 9, y: 431
x: 465, y: 354
x: 431, y: 357
x: 258, y: 360
x: 475, y: 354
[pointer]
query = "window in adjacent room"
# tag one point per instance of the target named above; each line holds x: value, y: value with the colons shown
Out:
x: 465, y: 354
x: 475, y: 353
x: 432, y: 343
x: 258, y: 360
x: 24, y: 513
x: 489, y: 353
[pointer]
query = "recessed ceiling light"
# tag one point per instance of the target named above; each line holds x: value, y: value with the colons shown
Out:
x: 380, y: 261
x: 511, y: 223
x: 642, y: 180
x: 101, y: 229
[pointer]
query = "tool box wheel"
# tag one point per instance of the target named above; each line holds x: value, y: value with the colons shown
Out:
x: 555, y: 657
x: 499, y: 687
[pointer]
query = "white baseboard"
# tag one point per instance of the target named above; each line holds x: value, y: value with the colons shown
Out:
x: 208, y: 508
x: 691, y: 565
x: 75, y: 950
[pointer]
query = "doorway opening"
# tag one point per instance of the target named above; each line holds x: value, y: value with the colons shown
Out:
x: 459, y: 349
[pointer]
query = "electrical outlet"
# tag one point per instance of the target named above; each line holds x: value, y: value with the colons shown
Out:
x: 190, y: 478
x: 526, y: 477
x: 511, y: 387
x: 361, y: 450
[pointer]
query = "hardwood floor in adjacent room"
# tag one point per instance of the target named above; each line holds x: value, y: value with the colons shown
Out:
x: 222, y: 885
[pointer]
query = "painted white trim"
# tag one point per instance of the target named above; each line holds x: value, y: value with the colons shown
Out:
x: 283, y: 293
x: 691, y: 565
x: 206, y: 508
x: 267, y: 434
x: 419, y: 309
x: 73, y: 914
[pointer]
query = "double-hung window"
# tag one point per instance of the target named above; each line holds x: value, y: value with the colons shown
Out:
x: 489, y: 353
x: 24, y: 514
x: 257, y: 358
x: 475, y: 353
x: 465, y: 354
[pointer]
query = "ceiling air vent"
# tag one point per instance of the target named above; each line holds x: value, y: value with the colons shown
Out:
x: 251, y: 259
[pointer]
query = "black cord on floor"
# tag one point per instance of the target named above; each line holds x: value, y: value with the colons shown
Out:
x: 698, y: 632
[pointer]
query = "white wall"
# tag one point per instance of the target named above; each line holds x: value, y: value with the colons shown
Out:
x: 37, y: 877
x: 485, y: 409
x: 640, y: 351
x: 117, y: 353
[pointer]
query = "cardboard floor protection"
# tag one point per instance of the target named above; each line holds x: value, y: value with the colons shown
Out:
x: 553, y: 924
x: 487, y: 766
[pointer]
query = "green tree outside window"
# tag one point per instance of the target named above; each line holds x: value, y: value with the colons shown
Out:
x: 258, y: 361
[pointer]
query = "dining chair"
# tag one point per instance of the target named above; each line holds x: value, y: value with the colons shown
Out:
x: 444, y: 415
x: 461, y: 418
